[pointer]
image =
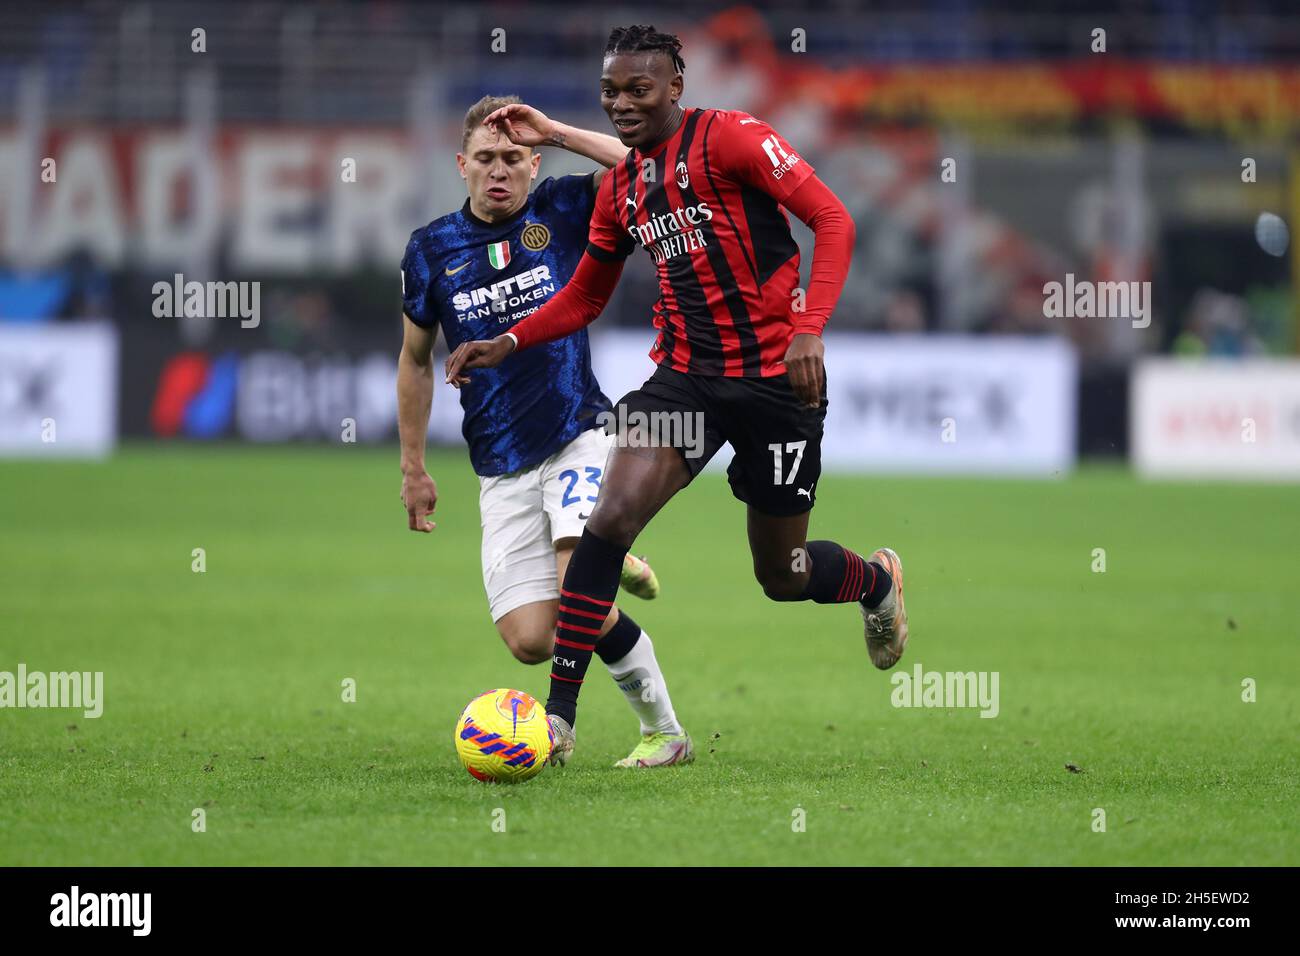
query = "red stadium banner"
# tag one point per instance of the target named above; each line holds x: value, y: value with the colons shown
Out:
x: 1233, y: 101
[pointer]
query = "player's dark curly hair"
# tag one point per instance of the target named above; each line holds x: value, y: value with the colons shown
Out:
x: 640, y: 38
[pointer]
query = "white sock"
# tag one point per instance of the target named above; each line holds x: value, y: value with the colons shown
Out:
x: 638, y: 676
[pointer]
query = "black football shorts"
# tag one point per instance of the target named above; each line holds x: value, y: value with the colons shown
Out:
x: 777, y: 440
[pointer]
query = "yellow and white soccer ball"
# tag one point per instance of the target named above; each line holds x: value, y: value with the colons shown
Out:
x: 503, y: 736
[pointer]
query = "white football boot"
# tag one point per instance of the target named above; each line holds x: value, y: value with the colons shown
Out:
x: 563, y: 738
x: 886, y: 624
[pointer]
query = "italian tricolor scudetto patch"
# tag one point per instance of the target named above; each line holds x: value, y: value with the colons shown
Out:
x: 499, y: 254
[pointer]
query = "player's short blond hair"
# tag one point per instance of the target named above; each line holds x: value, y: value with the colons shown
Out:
x: 480, y: 111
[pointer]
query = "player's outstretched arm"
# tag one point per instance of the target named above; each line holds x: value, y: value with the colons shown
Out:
x: 414, y: 401
x: 573, y: 307
x: 833, y: 237
x: 527, y: 126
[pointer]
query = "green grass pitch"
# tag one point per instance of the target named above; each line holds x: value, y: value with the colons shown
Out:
x: 223, y: 689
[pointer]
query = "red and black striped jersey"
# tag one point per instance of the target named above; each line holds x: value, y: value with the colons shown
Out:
x: 705, y: 204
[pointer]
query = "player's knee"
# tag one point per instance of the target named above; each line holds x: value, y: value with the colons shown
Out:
x: 531, y: 648
x: 615, y: 522
x: 781, y: 584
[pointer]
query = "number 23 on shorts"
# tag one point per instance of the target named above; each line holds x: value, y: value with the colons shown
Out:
x: 572, y: 477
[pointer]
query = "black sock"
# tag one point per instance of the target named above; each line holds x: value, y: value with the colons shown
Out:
x: 620, y: 639
x: 839, y: 576
x: 586, y: 597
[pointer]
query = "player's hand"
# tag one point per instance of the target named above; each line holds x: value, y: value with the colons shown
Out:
x: 523, y: 125
x: 420, y: 496
x: 803, y: 360
x: 482, y: 353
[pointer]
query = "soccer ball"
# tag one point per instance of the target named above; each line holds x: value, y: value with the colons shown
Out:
x: 503, y: 736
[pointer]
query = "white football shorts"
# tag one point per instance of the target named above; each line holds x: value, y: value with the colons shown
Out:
x: 525, y: 512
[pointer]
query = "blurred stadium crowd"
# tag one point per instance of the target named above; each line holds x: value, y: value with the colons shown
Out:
x: 218, y: 155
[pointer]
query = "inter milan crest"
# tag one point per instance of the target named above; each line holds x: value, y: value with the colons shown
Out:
x: 499, y: 254
x: 535, y: 237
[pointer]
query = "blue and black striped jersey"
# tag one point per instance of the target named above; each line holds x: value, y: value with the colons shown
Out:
x: 476, y: 280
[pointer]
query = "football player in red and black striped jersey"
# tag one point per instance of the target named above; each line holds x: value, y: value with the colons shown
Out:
x: 739, y: 348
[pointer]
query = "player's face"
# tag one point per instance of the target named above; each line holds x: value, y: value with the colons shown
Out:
x: 497, y: 173
x: 639, y: 92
